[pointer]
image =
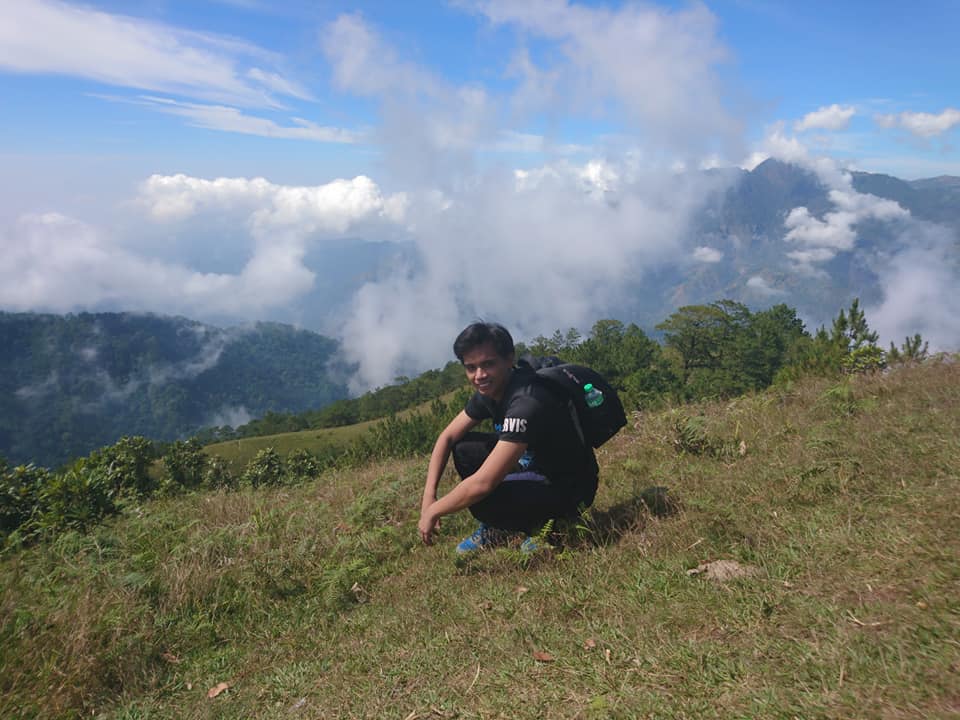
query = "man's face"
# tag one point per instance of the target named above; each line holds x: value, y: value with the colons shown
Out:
x: 487, y: 371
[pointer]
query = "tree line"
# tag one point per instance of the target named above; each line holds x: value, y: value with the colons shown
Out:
x: 717, y: 350
x: 72, y: 383
x: 405, y: 393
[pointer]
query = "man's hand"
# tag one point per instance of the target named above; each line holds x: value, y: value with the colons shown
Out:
x: 428, y: 525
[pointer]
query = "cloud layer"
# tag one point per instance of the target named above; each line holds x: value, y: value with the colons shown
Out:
x: 546, y: 246
x: 564, y: 239
x: 54, y: 262
x: 920, y: 290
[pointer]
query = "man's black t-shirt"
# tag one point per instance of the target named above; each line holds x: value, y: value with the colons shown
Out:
x: 530, y: 413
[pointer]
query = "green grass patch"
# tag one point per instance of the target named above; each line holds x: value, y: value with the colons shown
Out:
x: 314, y: 600
x: 240, y: 452
x: 237, y: 453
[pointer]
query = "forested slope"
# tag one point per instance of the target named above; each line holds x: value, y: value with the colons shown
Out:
x: 70, y: 384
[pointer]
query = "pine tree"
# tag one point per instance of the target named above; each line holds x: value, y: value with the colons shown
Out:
x: 853, y: 333
x: 914, y: 349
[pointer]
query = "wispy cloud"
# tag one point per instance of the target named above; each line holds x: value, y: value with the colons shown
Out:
x: 707, y: 255
x: 130, y: 52
x: 761, y: 287
x: 921, y: 124
x: 278, y: 84
x: 657, y: 67
x: 231, y: 119
x: 521, y: 142
x: 577, y: 235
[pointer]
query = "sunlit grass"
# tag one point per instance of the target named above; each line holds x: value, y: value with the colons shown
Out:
x: 239, y: 452
x: 315, y: 600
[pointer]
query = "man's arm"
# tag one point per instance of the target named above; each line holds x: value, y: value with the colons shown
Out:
x: 501, y: 460
x: 453, y: 433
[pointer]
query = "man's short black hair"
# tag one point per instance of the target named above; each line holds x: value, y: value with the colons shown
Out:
x: 480, y: 333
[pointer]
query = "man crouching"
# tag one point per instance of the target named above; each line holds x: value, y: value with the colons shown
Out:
x: 533, y: 468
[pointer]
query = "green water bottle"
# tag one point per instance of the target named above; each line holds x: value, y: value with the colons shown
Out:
x: 592, y: 395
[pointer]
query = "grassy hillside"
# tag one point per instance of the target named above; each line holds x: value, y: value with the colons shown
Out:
x: 840, y: 500
x: 240, y: 451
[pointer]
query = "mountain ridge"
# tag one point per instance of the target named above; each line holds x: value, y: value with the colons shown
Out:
x: 742, y: 225
x: 72, y: 383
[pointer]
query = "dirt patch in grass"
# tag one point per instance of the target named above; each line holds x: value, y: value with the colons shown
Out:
x: 723, y: 570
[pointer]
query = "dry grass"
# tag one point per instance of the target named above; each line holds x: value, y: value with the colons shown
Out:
x: 314, y: 601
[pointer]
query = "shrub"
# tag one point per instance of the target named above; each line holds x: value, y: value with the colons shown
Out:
x: 303, y: 465
x: 266, y: 468
x: 77, y: 498
x: 20, y: 489
x: 184, y: 465
x: 126, y: 465
x: 217, y: 473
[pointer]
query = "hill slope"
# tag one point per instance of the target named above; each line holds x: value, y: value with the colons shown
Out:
x: 70, y: 384
x: 839, y: 496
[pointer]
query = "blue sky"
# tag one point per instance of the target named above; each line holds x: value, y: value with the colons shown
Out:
x: 776, y: 62
x: 132, y: 135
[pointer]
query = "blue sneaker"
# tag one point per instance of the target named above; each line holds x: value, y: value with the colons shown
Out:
x: 483, y: 537
x: 529, y: 545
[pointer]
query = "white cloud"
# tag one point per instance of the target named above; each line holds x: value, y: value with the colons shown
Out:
x: 707, y: 255
x: 331, y: 208
x: 831, y: 117
x: 55, y: 262
x: 365, y: 65
x: 754, y: 159
x: 551, y: 249
x: 539, y: 247
x: 925, y: 125
x: 778, y: 145
x: 515, y: 141
x: 45, y: 36
x: 918, y: 283
x: 864, y: 205
x: 822, y: 238
x: 551, y: 246
x: 231, y: 119
x: 430, y: 129
x: 229, y: 415
x: 38, y: 390
x: 834, y: 232
x: 762, y: 288
x: 812, y: 256
x: 919, y: 287
x: 279, y: 84
x: 655, y: 65
x: 538, y: 88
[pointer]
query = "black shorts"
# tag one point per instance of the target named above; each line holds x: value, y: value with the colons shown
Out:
x: 524, y: 500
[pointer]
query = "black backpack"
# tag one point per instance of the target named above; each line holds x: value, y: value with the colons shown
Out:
x: 595, y: 425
